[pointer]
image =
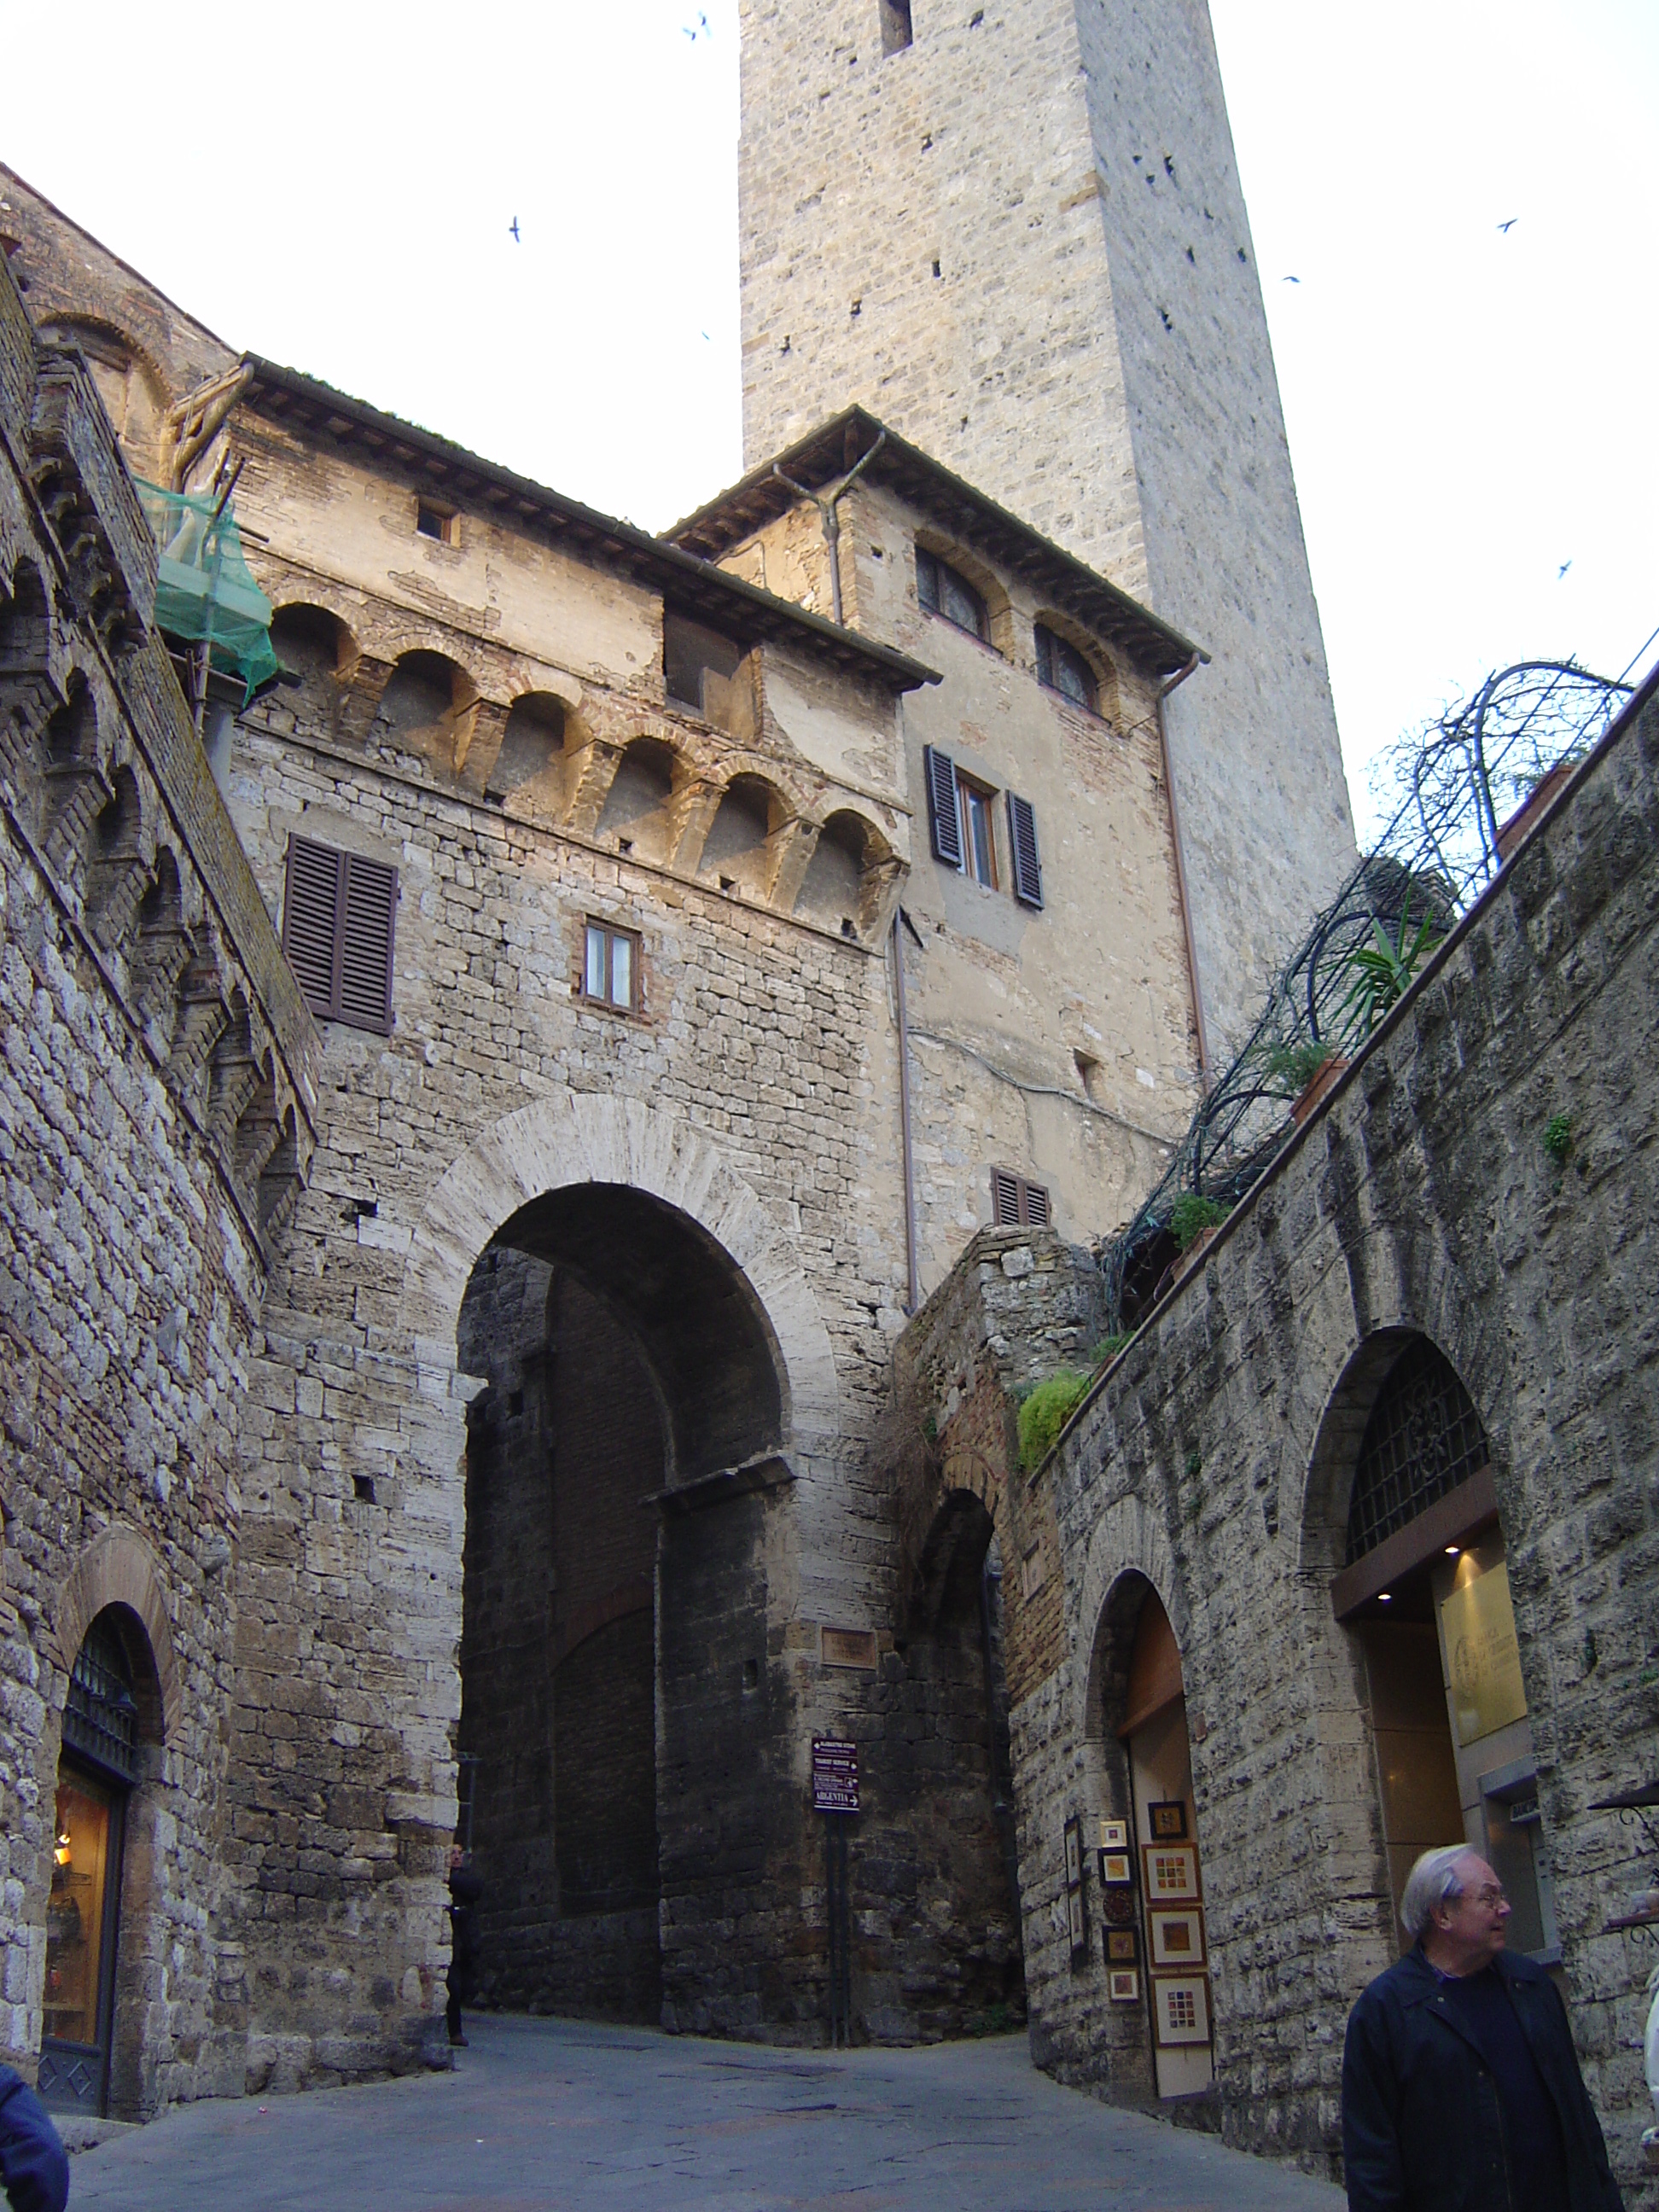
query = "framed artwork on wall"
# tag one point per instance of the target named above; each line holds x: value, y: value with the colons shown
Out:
x: 1075, y: 1922
x: 1167, y: 1821
x: 1117, y: 1907
x: 1181, y: 2010
x: 1073, y: 1853
x: 1123, y: 1984
x: 1120, y: 1947
x: 1114, y: 1835
x: 1116, y: 1867
x: 1175, y: 1935
x: 1170, y: 1872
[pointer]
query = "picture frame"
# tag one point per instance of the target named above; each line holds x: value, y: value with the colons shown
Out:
x: 1073, y: 1853
x: 1075, y: 1921
x: 1170, y: 1874
x: 1181, y: 2010
x: 1174, y: 1936
x: 1123, y: 1984
x: 1114, y: 1835
x: 1166, y: 1821
x: 1116, y: 1869
x: 1121, y: 1949
x: 1117, y: 1907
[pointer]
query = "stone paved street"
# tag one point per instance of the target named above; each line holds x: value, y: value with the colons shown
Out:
x: 552, y: 2113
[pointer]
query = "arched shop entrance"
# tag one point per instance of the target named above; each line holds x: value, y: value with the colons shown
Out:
x: 1173, y: 1945
x: 1426, y: 1590
x: 97, y: 1771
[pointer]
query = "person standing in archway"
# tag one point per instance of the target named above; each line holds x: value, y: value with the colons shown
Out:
x: 1460, y: 2082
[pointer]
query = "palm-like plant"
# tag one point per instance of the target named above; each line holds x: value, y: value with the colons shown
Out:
x: 1382, y: 973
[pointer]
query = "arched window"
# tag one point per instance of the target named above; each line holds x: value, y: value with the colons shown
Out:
x: 1063, y: 669
x: 1424, y: 1437
x: 943, y: 592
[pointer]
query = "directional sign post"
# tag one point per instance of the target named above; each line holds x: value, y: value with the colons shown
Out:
x: 835, y: 1794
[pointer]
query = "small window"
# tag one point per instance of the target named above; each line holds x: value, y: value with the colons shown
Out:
x: 1016, y: 1203
x: 702, y: 670
x: 979, y: 844
x: 1063, y: 669
x: 611, y: 967
x: 338, y: 912
x: 942, y: 591
x: 442, y: 523
x: 895, y: 33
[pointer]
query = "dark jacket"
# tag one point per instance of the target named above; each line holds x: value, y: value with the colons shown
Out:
x: 1420, y: 2126
x: 34, y: 2164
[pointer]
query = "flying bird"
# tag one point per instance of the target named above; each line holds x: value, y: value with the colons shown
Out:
x: 513, y: 229
x: 1562, y: 570
x: 1507, y: 227
x: 697, y: 30
x: 1292, y: 280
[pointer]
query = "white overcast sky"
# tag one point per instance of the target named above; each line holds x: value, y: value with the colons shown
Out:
x: 1469, y: 411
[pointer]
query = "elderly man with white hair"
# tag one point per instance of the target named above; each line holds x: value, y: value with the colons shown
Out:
x: 1460, y: 2084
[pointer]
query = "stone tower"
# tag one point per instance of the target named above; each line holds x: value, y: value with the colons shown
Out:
x: 1015, y: 231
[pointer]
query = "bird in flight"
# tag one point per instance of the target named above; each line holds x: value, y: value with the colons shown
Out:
x: 1507, y: 227
x: 697, y: 30
x: 1562, y: 570
x: 513, y: 229
x: 1292, y: 280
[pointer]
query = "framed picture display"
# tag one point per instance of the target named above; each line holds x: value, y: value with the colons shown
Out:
x: 1170, y: 1872
x: 1174, y: 1936
x: 1073, y: 1853
x: 1079, y: 1932
x: 1117, y: 1907
x: 1167, y: 1821
x: 1116, y: 1867
x: 1120, y: 1947
x: 1114, y: 1835
x: 1181, y: 2010
x: 1123, y: 1984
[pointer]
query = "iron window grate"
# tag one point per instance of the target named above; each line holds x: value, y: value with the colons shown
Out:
x: 1424, y: 1437
x: 101, y: 1718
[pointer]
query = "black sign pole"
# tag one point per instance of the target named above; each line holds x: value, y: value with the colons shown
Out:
x: 841, y: 1821
x: 835, y: 1794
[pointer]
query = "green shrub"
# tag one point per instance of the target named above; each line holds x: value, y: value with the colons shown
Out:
x: 1044, y: 1412
x: 1191, y: 1215
x: 1108, y: 1348
x: 1558, y: 1137
x: 1297, y: 1065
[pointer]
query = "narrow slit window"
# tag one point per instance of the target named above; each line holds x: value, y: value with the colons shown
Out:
x: 979, y: 843
x: 611, y: 967
x: 895, y: 31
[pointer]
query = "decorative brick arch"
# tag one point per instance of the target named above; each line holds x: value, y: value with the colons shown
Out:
x: 573, y: 1137
x: 119, y: 1569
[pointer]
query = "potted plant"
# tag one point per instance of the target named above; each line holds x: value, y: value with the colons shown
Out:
x: 1382, y: 973
x: 1309, y: 1069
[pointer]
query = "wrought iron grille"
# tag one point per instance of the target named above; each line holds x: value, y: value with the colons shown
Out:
x: 101, y: 1718
x: 1424, y: 1437
x: 1445, y: 791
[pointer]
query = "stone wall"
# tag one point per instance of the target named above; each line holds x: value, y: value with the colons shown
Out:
x: 1214, y: 1458
x: 156, y: 1101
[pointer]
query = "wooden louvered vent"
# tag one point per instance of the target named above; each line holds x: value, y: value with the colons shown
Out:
x: 339, y: 911
x: 1016, y: 1203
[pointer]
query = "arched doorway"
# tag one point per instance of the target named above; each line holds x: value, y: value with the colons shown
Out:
x: 1424, y: 1589
x: 631, y: 1379
x: 100, y: 1765
x: 1173, y: 1946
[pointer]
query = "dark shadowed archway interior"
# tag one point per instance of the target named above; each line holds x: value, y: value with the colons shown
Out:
x: 624, y: 1356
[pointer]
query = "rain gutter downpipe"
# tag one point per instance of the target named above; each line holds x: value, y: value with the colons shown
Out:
x: 827, y: 505
x: 1206, y: 1071
x: 913, y: 1289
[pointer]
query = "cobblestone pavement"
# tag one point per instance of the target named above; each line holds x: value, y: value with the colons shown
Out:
x: 547, y: 2113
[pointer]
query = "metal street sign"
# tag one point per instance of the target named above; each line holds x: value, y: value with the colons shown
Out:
x: 834, y: 1776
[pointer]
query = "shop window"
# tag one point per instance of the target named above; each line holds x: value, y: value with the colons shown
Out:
x: 943, y: 592
x: 1063, y: 669
x: 338, y: 913
x: 610, y: 966
x: 896, y: 31
x: 1016, y: 1203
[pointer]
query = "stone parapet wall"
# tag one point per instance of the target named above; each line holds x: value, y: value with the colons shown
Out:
x: 1215, y: 1457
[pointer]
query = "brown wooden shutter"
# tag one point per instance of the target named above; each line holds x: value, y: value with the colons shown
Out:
x: 943, y: 818
x: 1035, y: 1204
x: 1005, y: 1193
x: 338, y: 913
x: 311, y: 899
x: 1022, y: 842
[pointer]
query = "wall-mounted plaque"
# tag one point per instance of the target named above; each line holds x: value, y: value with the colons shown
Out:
x: 1170, y: 1872
x: 1175, y: 1935
x: 847, y: 1647
x: 1167, y: 1821
x: 1123, y: 1984
x: 1181, y: 2009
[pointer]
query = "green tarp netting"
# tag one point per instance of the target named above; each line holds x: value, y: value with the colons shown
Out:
x: 204, y: 593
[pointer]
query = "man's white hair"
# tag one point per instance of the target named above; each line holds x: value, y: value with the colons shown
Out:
x: 1429, y: 1884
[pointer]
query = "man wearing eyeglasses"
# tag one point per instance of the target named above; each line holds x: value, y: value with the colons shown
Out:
x: 1460, y: 2083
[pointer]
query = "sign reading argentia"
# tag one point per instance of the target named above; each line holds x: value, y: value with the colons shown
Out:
x: 834, y: 1776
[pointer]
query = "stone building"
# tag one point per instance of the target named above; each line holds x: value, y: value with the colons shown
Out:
x: 1351, y: 1551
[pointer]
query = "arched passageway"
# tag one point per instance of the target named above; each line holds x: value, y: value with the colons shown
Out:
x: 626, y: 1361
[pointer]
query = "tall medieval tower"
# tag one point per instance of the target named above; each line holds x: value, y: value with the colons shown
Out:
x: 1015, y: 231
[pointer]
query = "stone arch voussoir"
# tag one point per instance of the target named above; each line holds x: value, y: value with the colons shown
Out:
x: 1130, y: 1538
x: 119, y: 1568
x: 582, y: 1137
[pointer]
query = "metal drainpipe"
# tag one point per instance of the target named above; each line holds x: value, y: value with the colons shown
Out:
x: 913, y: 1289
x: 827, y: 504
x: 1180, y: 677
